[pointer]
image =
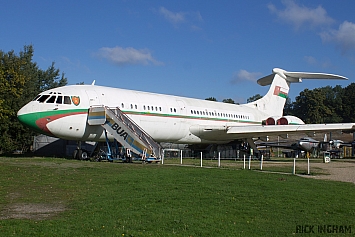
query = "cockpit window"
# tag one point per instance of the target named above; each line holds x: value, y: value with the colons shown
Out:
x: 51, y: 100
x: 36, y: 97
x: 67, y: 100
x: 42, y: 98
x: 59, y: 100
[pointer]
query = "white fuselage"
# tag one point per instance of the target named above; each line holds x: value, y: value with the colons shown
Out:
x: 165, y: 118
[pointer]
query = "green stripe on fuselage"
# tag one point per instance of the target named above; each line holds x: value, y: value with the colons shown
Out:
x: 30, y: 119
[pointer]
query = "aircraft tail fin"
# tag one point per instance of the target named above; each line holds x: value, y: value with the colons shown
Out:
x: 273, y: 102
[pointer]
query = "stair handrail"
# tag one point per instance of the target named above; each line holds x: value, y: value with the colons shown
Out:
x: 137, y: 130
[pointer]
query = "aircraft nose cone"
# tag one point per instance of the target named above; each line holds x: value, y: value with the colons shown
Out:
x: 21, y: 115
x: 28, y: 118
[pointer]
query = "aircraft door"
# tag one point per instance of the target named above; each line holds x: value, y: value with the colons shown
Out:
x: 181, y: 126
x: 182, y: 107
x: 93, y: 98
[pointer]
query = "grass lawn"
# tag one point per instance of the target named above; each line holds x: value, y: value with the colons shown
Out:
x: 58, y: 197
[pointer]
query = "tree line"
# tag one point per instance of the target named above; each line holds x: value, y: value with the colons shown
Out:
x: 324, y: 105
x: 21, y: 80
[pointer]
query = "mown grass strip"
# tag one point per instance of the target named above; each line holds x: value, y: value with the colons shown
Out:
x: 105, y: 199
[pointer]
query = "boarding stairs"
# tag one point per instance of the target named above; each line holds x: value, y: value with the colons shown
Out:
x: 125, y: 131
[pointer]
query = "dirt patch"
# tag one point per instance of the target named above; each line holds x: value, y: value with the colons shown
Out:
x: 32, y: 211
x: 343, y: 171
x: 338, y: 171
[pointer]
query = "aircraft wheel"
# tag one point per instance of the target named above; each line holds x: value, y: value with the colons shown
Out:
x: 84, y: 155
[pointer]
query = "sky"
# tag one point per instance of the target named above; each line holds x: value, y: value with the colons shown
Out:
x: 196, y: 48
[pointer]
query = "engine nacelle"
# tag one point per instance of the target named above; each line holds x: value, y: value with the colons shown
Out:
x: 286, y: 120
x: 271, y: 120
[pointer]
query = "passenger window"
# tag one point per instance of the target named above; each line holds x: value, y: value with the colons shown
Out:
x: 51, y: 100
x: 43, y: 98
x: 135, y: 106
x: 131, y: 106
x: 122, y: 105
x: 67, y: 100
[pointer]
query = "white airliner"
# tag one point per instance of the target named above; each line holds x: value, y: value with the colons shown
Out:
x: 63, y: 112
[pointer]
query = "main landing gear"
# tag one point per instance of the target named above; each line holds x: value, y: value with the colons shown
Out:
x: 79, y: 153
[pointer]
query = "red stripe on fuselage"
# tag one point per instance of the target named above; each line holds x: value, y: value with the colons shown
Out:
x: 42, y: 122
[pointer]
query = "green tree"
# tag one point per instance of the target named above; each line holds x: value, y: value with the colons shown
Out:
x: 334, y: 102
x: 310, y: 106
x: 288, y: 108
x: 20, y: 81
x: 324, y: 105
x: 211, y: 99
x: 348, y: 98
x: 254, y: 98
x: 230, y: 101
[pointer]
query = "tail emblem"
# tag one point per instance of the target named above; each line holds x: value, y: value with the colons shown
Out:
x: 282, y: 92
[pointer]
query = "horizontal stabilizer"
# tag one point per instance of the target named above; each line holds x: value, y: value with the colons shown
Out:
x: 297, y: 76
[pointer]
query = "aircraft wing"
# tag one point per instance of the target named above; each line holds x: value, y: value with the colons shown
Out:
x: 225, y: 133
x: 276, y: 130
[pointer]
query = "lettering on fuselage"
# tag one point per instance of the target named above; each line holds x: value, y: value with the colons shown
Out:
x: 119, y: 130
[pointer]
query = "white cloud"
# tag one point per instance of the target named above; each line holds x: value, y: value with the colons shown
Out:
x: 73, y: 65
x: 127, y: 56
x: 310, y: 60
x: 344, y: 37
x: 301, y: 15
x: 190, y: 18
x: 171, y: 16
x: 324, y: 63
x: 243, y: 75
